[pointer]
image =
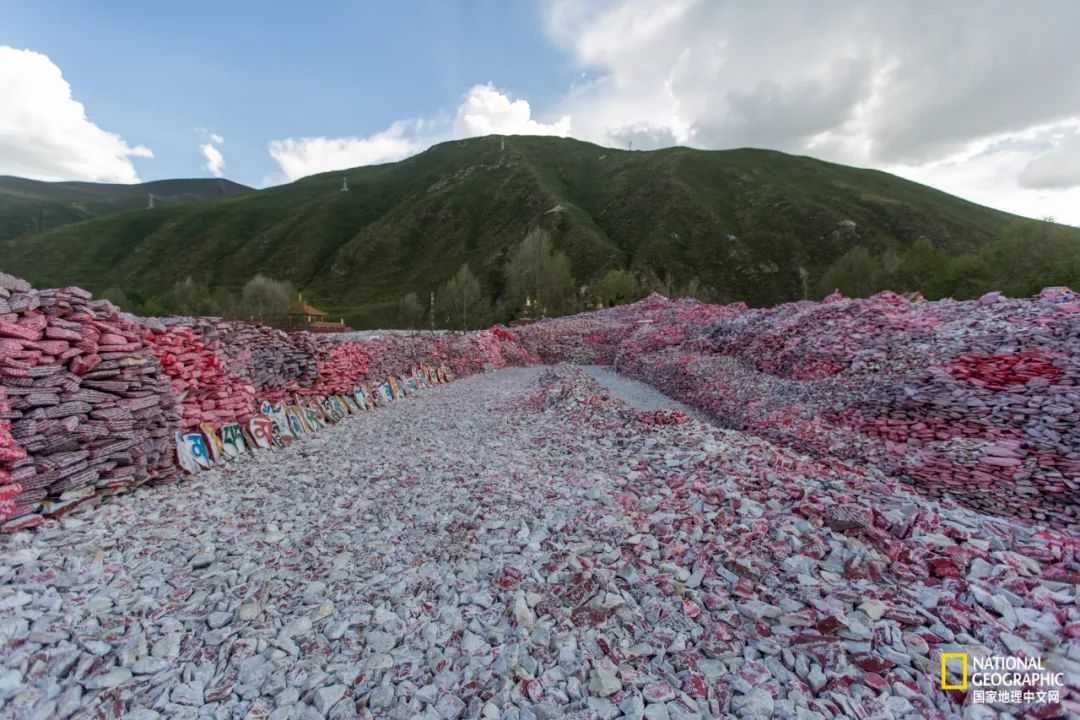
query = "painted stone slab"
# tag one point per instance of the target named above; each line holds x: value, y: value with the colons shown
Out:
x: 313, y: 403
x: 329, y: 411
x: 296, y: 420
x: 280, y: 439
x: 261, y: 428
x: 196, y: 445
x: 386, y: 392
x: 361, y: 398
x: 312, y: 418
x: 213, y: 442
x: 350, y: 404
x: 232, y: 441
x: 183, y: 456
x: 249, y: 439
x: 281, y: 423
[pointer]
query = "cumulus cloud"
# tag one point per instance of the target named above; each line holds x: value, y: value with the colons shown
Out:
x: 300, y: 157
x: 878, y: 83
x: 486, y: 111
x: 724, y: 74
x: 44, y: 131
x: 1058, y: 167
x: 215, y: 161
x: 990, y: 172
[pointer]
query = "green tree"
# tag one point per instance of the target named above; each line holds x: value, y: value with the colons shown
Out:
x: 617, y: 287
x: 462, y: 301
x: 266, y: 300
x: 152, y: 308
x: 1031, y: 256
x: 538, y: 272
x: 924, y: 267
x: 966, y: 277
x: 410, y: 311
x: 119, y: 298
x: 225, y: 301
x: 891, y: 263
x: 856, y: 273
x: 190, y: 297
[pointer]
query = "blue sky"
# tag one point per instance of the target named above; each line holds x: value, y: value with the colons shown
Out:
x: 252, y: 72
x: 980, y: 100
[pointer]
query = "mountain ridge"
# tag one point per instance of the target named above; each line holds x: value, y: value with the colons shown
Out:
x: 31, y: 206
x: 750, y: 224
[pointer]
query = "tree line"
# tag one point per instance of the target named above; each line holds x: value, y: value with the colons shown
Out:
x: 1025, y: 259
x: 538, y: 283
x: 261, y: 299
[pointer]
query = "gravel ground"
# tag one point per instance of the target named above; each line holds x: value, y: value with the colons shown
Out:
x: 635, y: 393
x: 291, y: 584
x: 488, y: 549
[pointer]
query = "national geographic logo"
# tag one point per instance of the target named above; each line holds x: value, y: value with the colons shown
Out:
x: 959, y: 669
x: 1001, y: 678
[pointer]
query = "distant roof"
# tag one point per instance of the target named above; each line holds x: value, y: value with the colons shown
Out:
x: 306, y: 309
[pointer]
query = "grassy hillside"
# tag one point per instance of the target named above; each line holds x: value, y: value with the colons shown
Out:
x: 32, y: 206
x: 755, y: 225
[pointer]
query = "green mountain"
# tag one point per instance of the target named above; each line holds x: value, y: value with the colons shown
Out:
x: 32, y: 206
x: 752, y: 225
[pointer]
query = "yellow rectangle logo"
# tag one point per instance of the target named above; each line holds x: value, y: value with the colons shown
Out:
x: 945, y: 657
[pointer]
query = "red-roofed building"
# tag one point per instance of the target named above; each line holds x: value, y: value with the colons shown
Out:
x: 308, y: 317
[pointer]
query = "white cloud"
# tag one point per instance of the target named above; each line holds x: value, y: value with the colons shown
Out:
x: 483, y: 111
x: 486, y: 111
x: 878, y: 83
x: 1058, y: 167
x: 215, y: 161
x: 44, y: 131
x: 991, y: 172
x: 298, y: 158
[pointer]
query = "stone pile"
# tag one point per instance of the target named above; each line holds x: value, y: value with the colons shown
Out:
x: 524, y: 545
x: 95, y: 401
x: 339, y: 362
x: 205, y: 391
x: 975, y: 402
x: 267, y: 357
x: 88, y: 404
x: 9, y: 451
x: 390, y: 354
x: 490, y: 349
x: 758, y: 582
